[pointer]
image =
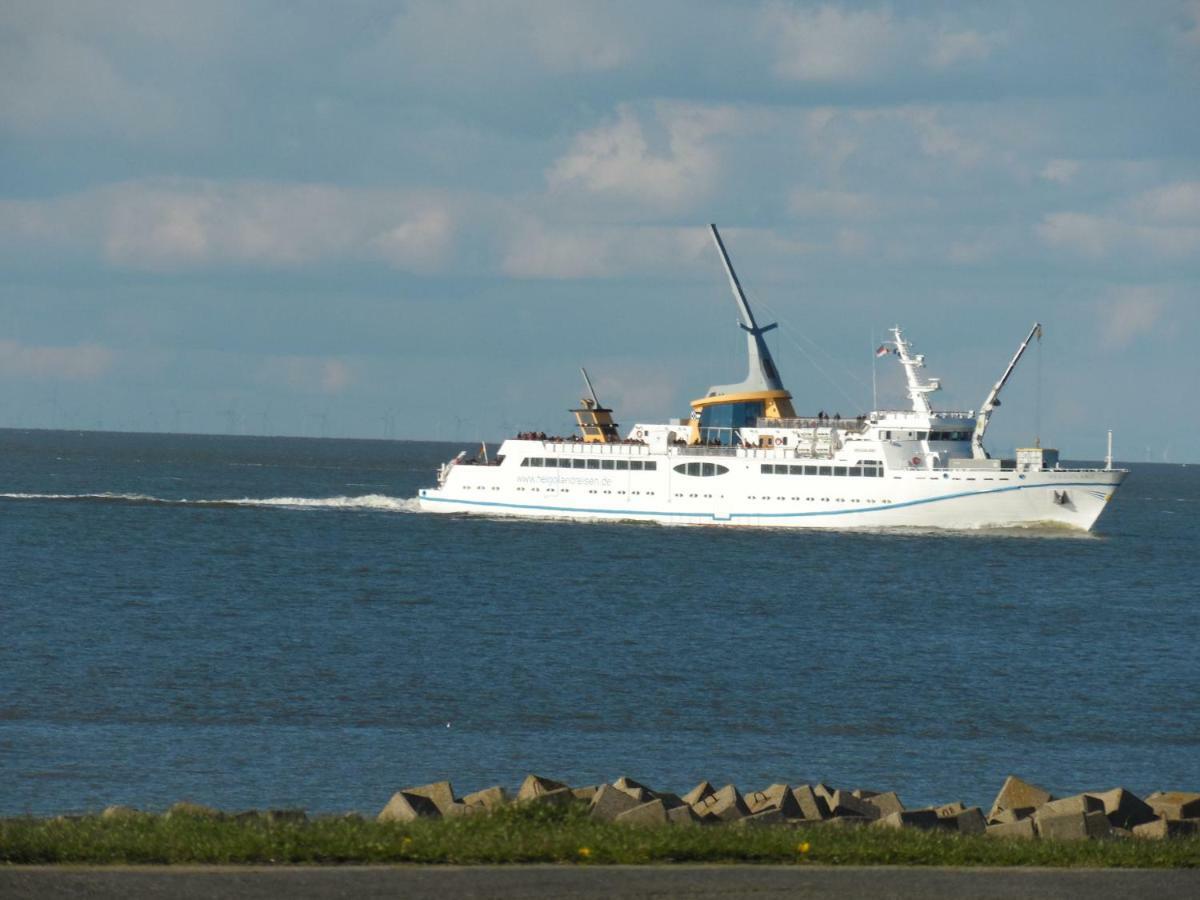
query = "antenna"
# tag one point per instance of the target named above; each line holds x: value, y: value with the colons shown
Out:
x: 1108, y: 457
x: 591, y: 390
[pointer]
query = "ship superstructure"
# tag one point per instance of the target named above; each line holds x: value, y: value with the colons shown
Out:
x: 744, y: 457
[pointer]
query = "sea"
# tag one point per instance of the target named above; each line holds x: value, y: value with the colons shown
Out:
x: 254, y: 622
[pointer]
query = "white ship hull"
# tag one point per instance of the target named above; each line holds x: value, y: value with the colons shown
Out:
x: 744, y: 496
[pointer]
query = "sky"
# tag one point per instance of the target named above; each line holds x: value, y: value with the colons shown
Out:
x: 418, y: 220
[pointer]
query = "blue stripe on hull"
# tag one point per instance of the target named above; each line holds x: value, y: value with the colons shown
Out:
x: 764, y: 515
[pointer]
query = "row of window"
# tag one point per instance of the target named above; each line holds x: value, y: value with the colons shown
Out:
x: 704, y: 470
x: 927, y: 435
x: 849, y: 471
x: 553, y: 462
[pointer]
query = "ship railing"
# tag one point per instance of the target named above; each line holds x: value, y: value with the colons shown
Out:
x: 854, y: 425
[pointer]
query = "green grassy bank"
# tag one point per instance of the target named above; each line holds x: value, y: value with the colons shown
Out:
x: 541, y: 834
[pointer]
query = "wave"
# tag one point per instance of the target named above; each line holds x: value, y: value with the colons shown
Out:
x: 365, y: 501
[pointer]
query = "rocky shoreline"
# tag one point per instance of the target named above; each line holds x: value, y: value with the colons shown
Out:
x: 1021, y: 810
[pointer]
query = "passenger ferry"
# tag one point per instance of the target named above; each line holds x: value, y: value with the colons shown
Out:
x: 744, y: 457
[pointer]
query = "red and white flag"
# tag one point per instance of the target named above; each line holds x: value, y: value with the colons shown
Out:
x: 883, y: 350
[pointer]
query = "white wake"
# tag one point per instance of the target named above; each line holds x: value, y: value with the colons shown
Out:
x: 365, y: 501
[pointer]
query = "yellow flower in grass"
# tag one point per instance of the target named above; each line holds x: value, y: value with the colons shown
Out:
x: 802, y: 848
x: 585, y: 853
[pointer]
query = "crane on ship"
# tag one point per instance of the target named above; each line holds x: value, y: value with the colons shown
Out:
x: 993, y: 397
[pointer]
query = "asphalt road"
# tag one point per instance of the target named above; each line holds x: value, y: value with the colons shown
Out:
x: 445, y: 882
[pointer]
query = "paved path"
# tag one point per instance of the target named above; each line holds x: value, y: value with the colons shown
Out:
x: 444, y: 882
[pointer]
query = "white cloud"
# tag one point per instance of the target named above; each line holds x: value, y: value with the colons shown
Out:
x: 162, y: 224
x: 82, y: 362
x: 952, y: 47
x: 1060, y: 171
x: 542, y: 250
x: 817, y: 203
x: 60, y: 85
x: 1163, y: 222
x: 464, y: 41
x: 617, y: 161
x: 1177, y: 202
x: 830, y: 44
x: 1130, y: 313
x: 307, y: 374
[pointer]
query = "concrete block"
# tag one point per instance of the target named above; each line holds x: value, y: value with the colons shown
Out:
x: 812, y: 805
x: 650, y: 813
x: 488, y: 798
x: 1073, y: 826
x: 864, y: 794
x: 1175, y: 804
x: 586, y: 793
x: 634, y: 789
x: 1163, y: 827
x: 886, y: 803
x: 1016, y: 793
x: 823, y: 790
x: 949, y: 810
x: 670, y: 801
x: 726, y: 805
x: 557, y: 797
x: 1079, y: 803
x: 770, y: 816
x: 847, y: 822
x: 458, y: 809
x: 842, y: 803
x: 1008, y: 816
x: 1022, y: 829
x: 698, y: 793
x: 682, y: 815
x: 440, y: 792
x: 1124, y: 808
x: 911, y: 818
x: 407, y: 807
x: 185, y: 809
x: 777, y: 796
x: 610, y: 802
x: 533, y: 785
x: 969, y: 821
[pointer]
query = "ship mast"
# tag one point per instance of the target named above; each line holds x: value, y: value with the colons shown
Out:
x: 918, y: 390
x: 763, y: 376
x: 993, y: 397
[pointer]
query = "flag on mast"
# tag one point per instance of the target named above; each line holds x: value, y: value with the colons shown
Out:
x: 883, y: 350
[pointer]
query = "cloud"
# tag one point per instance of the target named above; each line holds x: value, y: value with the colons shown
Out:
x: 952, y: 47
x: 817, y: 203
x: 82, y: 362
x: 1163, y: 222
x: 307, y: 374
x: 541, y: 250
x: 170, y: 224
x: 59, y: 85
x: 1060, y: 171
x: 1131, y: 312
x: 830, y: 44
x: 616, y: 159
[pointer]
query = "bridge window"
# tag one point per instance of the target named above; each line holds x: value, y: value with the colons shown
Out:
x: 635, y: 464
x: 593, y: 463
x: 623, y: 465
x: 608, y: 463
x: 855, y: 471
x: 651, y: 465
x: 810, y: 470
x: 839, y: 470
x: 824, y: 470
x: 535, y: 461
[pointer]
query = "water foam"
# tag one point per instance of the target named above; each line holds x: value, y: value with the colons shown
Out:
x: 366, y: 501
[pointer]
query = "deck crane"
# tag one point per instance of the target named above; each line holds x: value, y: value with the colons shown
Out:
x: 993, y: 398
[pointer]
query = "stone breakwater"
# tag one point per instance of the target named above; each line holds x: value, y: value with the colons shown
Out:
x: 1021, y: 810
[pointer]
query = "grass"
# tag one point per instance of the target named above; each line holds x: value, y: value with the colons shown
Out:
x: 533, y: 834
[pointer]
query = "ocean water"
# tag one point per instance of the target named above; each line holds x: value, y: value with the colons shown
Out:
x: 254, y: 622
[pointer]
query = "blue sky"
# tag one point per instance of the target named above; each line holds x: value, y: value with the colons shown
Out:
x: 417, y: 220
